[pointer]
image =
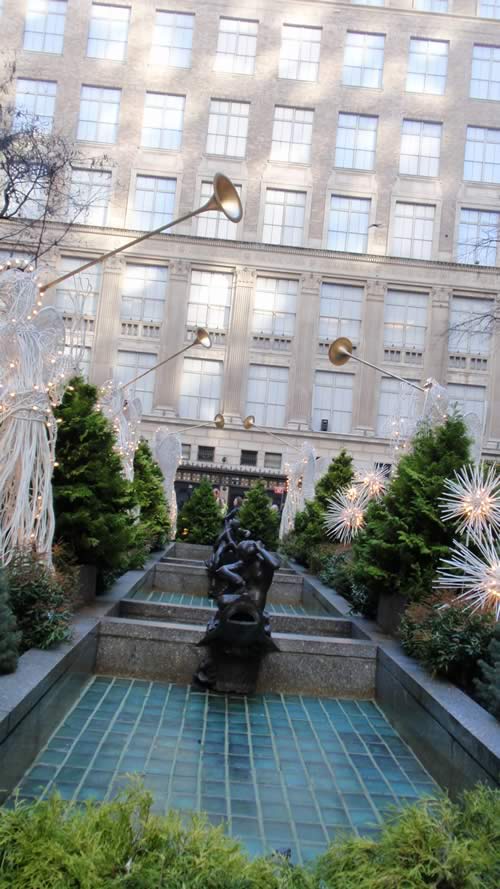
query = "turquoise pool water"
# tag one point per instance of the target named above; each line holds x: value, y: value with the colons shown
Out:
x: 280, y: 771
x: 205, y: 602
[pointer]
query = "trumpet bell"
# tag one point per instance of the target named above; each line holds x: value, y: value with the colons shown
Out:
x: 249, y: 422
x: 219, y: 421
x: 340, y: 351
x: 225, y: 198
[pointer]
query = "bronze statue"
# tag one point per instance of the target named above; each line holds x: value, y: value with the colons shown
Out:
x: 239, y: 634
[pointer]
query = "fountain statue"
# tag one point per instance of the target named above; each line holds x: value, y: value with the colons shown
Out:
x: 238, y: 636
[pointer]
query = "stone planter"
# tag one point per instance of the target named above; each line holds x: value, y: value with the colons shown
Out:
x: 390, y: 610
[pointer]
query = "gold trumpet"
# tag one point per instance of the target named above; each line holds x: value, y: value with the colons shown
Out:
x: 224, y: 198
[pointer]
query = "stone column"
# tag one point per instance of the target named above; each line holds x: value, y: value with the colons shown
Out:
x: 107, y: 322
x: 305, y: 347
x: 168, y: 377
x: 492, y: 433
x: 367, y: 383
x: 436, y: 344
x: 238, y: 348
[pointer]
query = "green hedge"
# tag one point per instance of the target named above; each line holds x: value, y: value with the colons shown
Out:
x: 121, y: 845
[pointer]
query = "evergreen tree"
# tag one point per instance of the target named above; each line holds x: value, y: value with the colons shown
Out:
x: 200, y: 519
x: 149, y: 493
x: 488, y: 688
x: 309, y: 531
x: 93, y: 501
x: 9, y: 637
x: 404, y: 537
x: 257, y: 516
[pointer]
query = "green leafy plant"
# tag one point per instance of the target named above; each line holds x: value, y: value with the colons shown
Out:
x: 149, y: 493
x: 40, y: 601
x: 404, y: 537
x: 309, y: 531
x: 447, y: 637
x: 93, y: 501
x: 488, y: 685
x: 121, y: 845
x: 257, y: 516
x: 337, y: 574
x: 200, y: 519
x: 9, y: 635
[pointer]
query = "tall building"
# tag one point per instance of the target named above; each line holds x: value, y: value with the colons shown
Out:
x: 364, y: 140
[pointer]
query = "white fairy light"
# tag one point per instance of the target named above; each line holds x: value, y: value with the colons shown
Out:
x: 472, y: 499
x: 345, y: 516
x: 167, y: 451
x: 478, y: 576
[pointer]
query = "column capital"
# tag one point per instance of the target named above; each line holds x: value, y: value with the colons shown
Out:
x: 114, y: 265
x: 440, y: 295
x: 179, y: 268
x: 311, y: 282
x: 376, y: 289
x: 245, y: 276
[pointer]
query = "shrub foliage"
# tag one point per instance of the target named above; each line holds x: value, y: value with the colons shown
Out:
x: 148, y: 488
x: 40, y: 599
x: 200, y: 518
x: 257, y: 516
x: 9, y: 635
x: 488, y: 685
x: 122, y: 845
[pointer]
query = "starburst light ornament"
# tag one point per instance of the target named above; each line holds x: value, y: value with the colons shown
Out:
x: 345, y: 514
x: 477, y: 575
x: 472, y: 499
x: 372, y: 481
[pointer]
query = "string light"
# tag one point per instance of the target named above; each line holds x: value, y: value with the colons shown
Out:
x: 472, y: 499
x: 345, y: 516
x: 372, y: 481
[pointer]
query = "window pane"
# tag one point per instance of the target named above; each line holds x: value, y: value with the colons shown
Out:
x: 363, y: 59
x: 154, y: 202
x: 108, y: 32
x: 292, y: 135
x: 340, y: 311
x: 227, y: 128
x: 478, y: 236
x: 300, y: 51
x: 420, y: 148
x: 405, y: 319
x: 348, y: 224
x: 332, y: 401
x: 35, y: 104
x: 90, y: 193
x: 201, y: 389
x: 99, y: 113
x: 356, y: 141
x: 275, y: 307
x: 284, y: 216
x: 163, y: 121
x: 172, y: 39
x: 413, y: 230
x: 44, y: 26
x: 485, y: 78
x: 471, y: 325
x: 130, y: 365
x: 427, y: 66
x: 236, y: 46
x: 209, y: 300
x: 144, y: 293
x: 267, y: 394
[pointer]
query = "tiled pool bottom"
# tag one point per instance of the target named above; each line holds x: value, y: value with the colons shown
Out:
x: 279, y: 770
x: 205, y: 602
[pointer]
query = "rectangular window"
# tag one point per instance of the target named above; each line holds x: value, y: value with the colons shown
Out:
x: 172, y: 39
x: 80, y: 293
x: 427, y: 66
x: 267, y: 394
x: 284, y: 217
x: 186, y: 452
x: 356, y: 141
x: 485, y: 76
x: 482, y: 155
x: 340, y: 311
x: 201, y: 389
x: 275, y: 306
x: 420, y: 148
x: 130, y: 365
x: 248, y: 458
x: 99, y: 114
x: 271, y: 460
x: 227, y: 128
x: 144, y: 293
x: 108, y: 32
x: 489, y: 9
x: 431, y: 5
x: 236, y: 46
x: 90, y: 193
x: 413, y: 230
x: 29, y: 198
x: 348, y: 224
x: 35, y: 104
x: 163, y: 121
x: 214, y: 224
x: 468, y: 400
x: 395, y: 409
x: 405, y: 319
x: 206, y: 454
x: 477, y: 237
x: 363, y: 60
x: 154, y: 202
x: 209, y: 300
x: 332, y: 401
x: 292, y: 135
x: 471, y: 322
x: 300, y: 50
x: 44, y: 27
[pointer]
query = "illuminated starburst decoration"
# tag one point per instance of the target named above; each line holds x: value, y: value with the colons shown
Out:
x: 345, y: 515
x: 472, y: 499
x: 477, y: 573
x: 373, y: 482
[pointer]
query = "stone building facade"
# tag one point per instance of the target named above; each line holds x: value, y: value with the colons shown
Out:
x: 365, y: 142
